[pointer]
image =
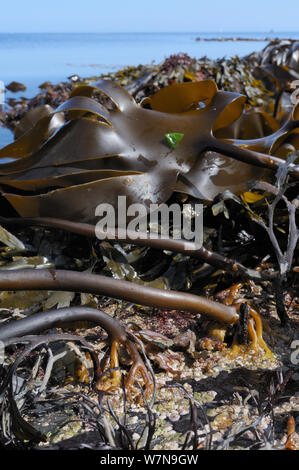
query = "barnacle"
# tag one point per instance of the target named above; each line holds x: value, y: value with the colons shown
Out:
x: 102, y: 152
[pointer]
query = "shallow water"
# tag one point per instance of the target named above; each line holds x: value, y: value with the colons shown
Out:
x: 35, y: 58
x: 6, y: 137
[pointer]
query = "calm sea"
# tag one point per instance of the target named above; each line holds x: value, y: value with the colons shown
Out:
x: 35, y: 58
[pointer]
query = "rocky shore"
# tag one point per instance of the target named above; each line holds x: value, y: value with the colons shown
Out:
x: 259, y: 76
x: 212, y: 387
x: 234, y: 38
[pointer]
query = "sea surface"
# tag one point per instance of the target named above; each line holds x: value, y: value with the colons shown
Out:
x: 35, y: 58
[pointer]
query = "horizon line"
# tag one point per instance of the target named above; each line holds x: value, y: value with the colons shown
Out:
x: 148, y: 32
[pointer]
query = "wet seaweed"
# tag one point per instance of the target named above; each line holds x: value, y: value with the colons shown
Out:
x: 112, y: 156
x: 188, y: 138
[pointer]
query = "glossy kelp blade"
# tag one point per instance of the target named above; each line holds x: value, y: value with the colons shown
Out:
x: 182, y: 97
x: 128, y: 137
x: 229, y: 108
x: 34, y: 115
x: 27, y: 144
x: 33, y: 139
x: 77, y: 140
x: 120, y: 98
x: 84, y: 104
x: 116, y: 93
x: 71, y: 177
x: 80, y: 202
x: 253, y: 125
x: 214, y: 173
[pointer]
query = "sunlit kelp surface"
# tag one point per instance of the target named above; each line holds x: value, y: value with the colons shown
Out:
x: 121, y: 148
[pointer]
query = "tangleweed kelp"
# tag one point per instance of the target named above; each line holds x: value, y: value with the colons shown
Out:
x: 281, y: 53
x: 120, y: 148
x: 117, y: 334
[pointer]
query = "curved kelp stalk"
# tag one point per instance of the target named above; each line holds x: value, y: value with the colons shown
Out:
x: 72, y: 281
x: 62, y: 280
x: 23, y: 332
x: 123, y: 148
x: 21, y: 428
x: 159, y: 241
x: 67, y: 316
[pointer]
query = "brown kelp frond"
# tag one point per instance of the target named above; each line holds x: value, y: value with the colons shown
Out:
x: 61, y: 180
x: 132, y: 140
x: 234, y: 267
x: 182, y: 97
x: 34, y: 115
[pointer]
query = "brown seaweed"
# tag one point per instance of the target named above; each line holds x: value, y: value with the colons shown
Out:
x: 64, y: 316
x: 33, y: 116
x: 159, y: 241
x: 61, y: 280
x: 102, y: 152
x: 57, y: 280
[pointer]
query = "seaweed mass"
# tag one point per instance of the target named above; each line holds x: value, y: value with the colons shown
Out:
x: 185, y: 141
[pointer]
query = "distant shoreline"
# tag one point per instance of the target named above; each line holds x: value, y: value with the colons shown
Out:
x: 230, y: 39
x: 33, y: 59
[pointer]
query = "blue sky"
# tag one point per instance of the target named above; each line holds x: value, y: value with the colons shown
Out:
x: 148, y: 16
